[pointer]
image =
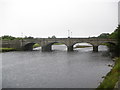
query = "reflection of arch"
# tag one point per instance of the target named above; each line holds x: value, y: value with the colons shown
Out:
x: 28, y: 46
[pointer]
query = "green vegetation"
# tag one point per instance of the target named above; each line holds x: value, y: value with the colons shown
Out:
x: 36, y: 45
x: 52, y: 36
x: 113, y: 35
x: 79, y: 46
x: 7, y: 49
x: 28, y: 37
x: 104, y: 35
x: 116, y: 35
x: 112, y: 77
x: 8, y: 37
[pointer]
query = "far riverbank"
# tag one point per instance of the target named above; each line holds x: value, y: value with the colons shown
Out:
x: 7, y: 49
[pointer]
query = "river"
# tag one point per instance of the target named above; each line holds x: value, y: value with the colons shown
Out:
x: 58, y: 69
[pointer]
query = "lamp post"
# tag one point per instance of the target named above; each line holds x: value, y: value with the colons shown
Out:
x: 71, y: 34
x: 68, y: 33
x: 22, y: 39
x: 22, y: 34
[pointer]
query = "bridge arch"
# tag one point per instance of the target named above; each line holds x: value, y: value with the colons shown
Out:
x: 82, y: 42
x: 72, y: 46
x: 111, y: 45
x: 48, y: 46
x: 59, y: 46
x: 29, y: 46
x: 82, y: 45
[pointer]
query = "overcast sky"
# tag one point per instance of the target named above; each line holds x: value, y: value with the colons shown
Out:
x: 43, y: 18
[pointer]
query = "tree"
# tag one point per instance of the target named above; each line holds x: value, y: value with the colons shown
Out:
x: 104, y: 35
x: 7, y: 37
x: 53, y: 36
x: 118, y: 39
x: 116, y: 35
x: 30, y: 37
x: 113, y: 35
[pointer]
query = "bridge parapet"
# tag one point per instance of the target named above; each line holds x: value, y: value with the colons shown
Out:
x: 11, y: 44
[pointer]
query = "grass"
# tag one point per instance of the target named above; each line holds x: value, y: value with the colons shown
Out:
x: 112, y: 77
x: 79, y: 46
x: 6, y: 49
x: 36, y: 45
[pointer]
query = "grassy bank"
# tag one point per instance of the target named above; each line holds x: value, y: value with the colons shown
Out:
x: 7, y: 49
x: 36, y: 45
x: 111, y: 78
x: 80, y: 46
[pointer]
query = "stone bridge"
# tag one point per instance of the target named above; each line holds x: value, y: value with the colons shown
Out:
x: 46, y: 43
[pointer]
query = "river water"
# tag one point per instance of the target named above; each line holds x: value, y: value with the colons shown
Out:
x: 58, y: 69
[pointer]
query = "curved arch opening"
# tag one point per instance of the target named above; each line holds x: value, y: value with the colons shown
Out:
x: 83, y: 46
x: 57, y: 46
x: 32, y: 46
x: 107, y: 46
x: 36, y: 46
x: 102, y: 48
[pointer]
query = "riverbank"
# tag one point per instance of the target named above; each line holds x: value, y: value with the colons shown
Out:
x: 112, y: 77
x: 7, y: 49
x: 82, y: 46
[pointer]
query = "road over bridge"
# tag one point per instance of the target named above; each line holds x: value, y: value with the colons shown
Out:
x: 46, y: 43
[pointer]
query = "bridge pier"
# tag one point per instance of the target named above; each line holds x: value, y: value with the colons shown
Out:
x: 69, y: 48
x: 46, y: 48
x: 28, y: 48
x: 95, y: 48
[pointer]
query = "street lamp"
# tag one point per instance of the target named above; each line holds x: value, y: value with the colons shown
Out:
x: 68, y: 33
x: 71, y: 34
